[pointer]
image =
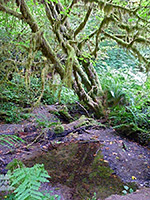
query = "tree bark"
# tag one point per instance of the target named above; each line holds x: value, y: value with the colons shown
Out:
x: 77, y: 70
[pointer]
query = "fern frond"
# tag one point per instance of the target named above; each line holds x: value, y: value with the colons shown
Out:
x: 9, y: 140
x: 27, y: 182
x: 4, y: 183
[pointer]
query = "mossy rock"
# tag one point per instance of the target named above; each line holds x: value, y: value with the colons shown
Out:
x: 58, y: 129
x: 84, y: 121
x: 65, y: 114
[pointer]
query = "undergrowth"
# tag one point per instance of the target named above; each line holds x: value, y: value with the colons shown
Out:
x: 127, y: 99
x: 15, y: 97
x: 25, y: 182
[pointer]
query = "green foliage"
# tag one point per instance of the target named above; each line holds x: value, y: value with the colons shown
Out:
x: 27, y: 181
x: 127, y: 97
x: 115, y: 57
x: 14, y: 164
x: 9, y: 197
x: 114, y: 86
x: 17, y: 96
x: 14, y: 97
x: 12, y: 113
x: 51, y: 96
x: 17, y: 92
x: 126, y: 92
x: 46, y: 123
x: 9, y: 140
x: 5, y: 183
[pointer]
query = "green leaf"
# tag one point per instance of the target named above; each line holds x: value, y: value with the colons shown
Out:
x: 126, y: 187
x: 124, y: 192
x: 131, y: 190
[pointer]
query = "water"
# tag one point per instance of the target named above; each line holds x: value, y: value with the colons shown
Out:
x: 80, y: 166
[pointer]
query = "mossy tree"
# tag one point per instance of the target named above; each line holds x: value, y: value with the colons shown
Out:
x: 70, y: 34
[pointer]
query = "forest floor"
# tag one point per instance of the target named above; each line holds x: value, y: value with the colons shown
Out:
x: 129, y: 160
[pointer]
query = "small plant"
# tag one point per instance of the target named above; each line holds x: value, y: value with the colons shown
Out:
x: 27, y: 181
x: 127, y: 190
x: 45, y: 123
x: 12, y: 113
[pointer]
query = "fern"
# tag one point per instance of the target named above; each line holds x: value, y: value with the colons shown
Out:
x: 9, y: 140
x: 27, y: 182
x: 4, y: 183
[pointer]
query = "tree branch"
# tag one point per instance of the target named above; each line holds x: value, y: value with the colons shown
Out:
x: 105, y: 23
x: 11, y: 12
x: 82, y: 25
x: 129, y: 46
x: 28, y: 16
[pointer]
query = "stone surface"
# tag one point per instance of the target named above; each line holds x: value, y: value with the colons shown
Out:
x: 143, y: 194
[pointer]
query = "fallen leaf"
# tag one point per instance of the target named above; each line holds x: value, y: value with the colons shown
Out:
x: 133, y: 178
x: 105, y: 161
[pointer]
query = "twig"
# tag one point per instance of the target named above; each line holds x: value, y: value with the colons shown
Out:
x: 35, y: 140
x: 83, y: 108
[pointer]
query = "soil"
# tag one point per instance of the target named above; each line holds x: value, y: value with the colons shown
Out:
x: 129, y: 160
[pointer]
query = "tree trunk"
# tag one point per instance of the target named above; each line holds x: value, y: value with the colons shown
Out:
x: 77, y: 70
x: 81, y: 76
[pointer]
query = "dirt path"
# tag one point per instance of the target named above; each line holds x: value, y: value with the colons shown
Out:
x: 129, y: 160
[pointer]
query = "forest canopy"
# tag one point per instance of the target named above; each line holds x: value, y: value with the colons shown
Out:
x: 65, y: 44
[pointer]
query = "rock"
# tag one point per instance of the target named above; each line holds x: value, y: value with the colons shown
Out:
x: 143, y: 194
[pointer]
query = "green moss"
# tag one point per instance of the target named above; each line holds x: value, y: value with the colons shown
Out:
x: 59, y: 129
x: 84, y: 121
